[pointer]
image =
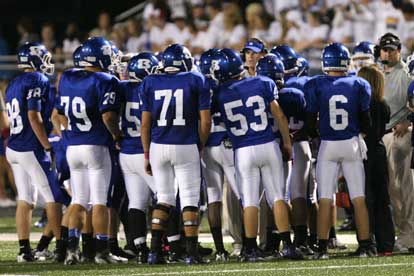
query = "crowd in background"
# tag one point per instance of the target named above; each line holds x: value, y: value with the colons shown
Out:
x: 202, y: 24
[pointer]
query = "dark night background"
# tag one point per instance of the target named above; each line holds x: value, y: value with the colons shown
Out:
x: 60, y: 12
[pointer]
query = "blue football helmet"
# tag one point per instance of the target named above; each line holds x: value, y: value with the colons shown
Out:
x: 142, y: 65
x: 335, y: 57
x: 362, y: 55
x: 288, y: 56
x: 226, y: 64
x: 34, y: 55
x: 271, y: 66
x: 97, y: 52
x: 205, y: 61
x: 176, y: 57
x: 303, y: 66
x: 77, y: 62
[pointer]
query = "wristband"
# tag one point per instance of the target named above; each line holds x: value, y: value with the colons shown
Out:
x: 146, y: 155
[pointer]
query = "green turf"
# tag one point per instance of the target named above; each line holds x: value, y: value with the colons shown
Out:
x: 337, y: 265
x: 8, y: 225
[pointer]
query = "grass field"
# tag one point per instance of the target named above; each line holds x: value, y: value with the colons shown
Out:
x: 339, y: 264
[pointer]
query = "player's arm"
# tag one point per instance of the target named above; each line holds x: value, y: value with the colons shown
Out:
x: 4, y: 123
x: 36, y: 123
x: 111, y: 121
x: 205, y: 126
x: 283, y: 126
x: 56, y: 122
x: 146, y: 138
x: 311, y: 124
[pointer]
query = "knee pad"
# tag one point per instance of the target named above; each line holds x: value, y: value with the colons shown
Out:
x: 194, y: 219
x: 161, y: 218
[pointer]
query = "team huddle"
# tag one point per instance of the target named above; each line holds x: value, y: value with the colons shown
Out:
x: 172, y: 130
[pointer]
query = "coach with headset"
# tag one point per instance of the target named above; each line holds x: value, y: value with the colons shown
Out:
x: 397, y: 140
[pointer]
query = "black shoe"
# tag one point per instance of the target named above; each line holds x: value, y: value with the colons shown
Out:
x: 306, y: 250
x: 323, y: 255
x: 174, y: 258
x: 222, y: 257
x: 142, y: 256
x: 25, y: 258
x: 60, y: 255
x: 348, y: 225
x: 292, y: 253
x: 155, y: 258
x: 121, y: 253
x: 192, y: 260
x: 204, y: 251
x: 252, y: 256
x: 364, y: 252
x: 333, y: 243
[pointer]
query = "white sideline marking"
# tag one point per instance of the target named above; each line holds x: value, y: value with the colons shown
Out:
x: 269, y: 269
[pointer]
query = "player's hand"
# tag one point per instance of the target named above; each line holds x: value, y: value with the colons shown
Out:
x: 286, y: 151
x: 148, y: 168
x: 401, y: 129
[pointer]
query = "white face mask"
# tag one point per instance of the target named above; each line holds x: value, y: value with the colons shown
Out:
x: 357, y: 64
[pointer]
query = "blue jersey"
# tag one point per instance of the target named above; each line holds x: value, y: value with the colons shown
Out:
x: 131, y: 117
x: 84, y: 97
x: 297, y: 82
x: 244, y: 105
x: 47, y: 105
x: 25, y: 93
x: 218, y: 130
x: 339, y: 101
x: 174, y: 101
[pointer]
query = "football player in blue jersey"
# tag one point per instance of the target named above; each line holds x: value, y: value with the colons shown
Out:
x: 362, y: 55
x: 29, y: 150
x: 342, y: 103
x: 175, y: 122
x: 292, y: 102
x: 139, y: 184
x: 244, y: 105
x: 88, y: 106
x: 218, y: 161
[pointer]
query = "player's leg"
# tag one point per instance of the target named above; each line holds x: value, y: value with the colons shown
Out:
x: 214, y: 177
x: 25, y: 201
x: 354, y: 174
x: 248, y: 177
x: 163, y: 175
x: 77, y: 160
x: 274, y: 184
x: 326, y: 174
x: 187, y: 170
x: 298, y: 191
x: 138, y: 193
x: 88, y: 240
x: 99, y: 174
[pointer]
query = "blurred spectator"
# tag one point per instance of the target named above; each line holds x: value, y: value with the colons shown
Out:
x: 341, y: 30
x: 119, y: 35
x: 260, y: 24
x: 363, y: 20
x: 49, y: 40
x: 294, y: 25
x: 136, y: 39
x: 104, y: 28
x: 234, y: 33
x: 71, y: 41
x: 153, y: 6
x: 183, y: 35
x: 215, y: 14
x: 387, y: 18
x: 314, y: 33
x: 407, y: 36
x: 275, y: 7
x: 25, y: 30
x: 161, y: 33
x: 198, y: 14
